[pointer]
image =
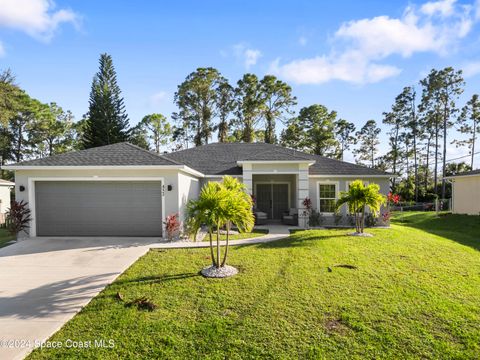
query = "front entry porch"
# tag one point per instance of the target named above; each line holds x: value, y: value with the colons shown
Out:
x: 276, y: 199
x: 279, y: 188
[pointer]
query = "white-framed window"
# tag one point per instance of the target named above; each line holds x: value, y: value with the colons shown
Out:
x: 327, y: 195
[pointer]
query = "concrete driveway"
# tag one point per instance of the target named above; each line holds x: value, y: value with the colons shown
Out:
x: 46, y: 281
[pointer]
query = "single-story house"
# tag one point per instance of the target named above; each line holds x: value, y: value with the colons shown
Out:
x: 466, y: 193
x: 5, y: 193
x: 123, y: 190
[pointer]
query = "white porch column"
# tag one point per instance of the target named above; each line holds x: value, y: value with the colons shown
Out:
x: 247, y: 177
x: 302, y: 193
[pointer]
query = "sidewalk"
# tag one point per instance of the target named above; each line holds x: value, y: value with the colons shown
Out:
x: 275, y: 232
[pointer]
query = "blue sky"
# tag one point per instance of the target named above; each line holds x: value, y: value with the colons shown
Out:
x: 353, y: 57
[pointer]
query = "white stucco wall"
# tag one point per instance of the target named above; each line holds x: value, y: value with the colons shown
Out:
x: 174, y: 199
x: 188, y: 188
x: 466, y: 195
x: 4, y: 199
x: 342, y: 186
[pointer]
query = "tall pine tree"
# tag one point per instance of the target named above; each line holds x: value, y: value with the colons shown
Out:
x: 107, y: 119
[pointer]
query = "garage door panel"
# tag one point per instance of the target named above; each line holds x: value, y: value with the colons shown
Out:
x: 98, y: 208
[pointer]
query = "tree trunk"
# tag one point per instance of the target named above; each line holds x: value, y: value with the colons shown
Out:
x: 445, y: 123
x: 415, y: 164
x: 270, y: 129
x: 435, y: 182
x: 218, y: 244
x: 212, y: 254
x: 473, y: 142
x: 427, y: 165
x: 226, y: 245
x: 363, y: 220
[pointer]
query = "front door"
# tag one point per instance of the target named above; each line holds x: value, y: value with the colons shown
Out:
x: 272, y: 199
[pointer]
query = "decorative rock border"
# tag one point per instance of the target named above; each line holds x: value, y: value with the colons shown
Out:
x: 360, y: 234
x: 221, y: 272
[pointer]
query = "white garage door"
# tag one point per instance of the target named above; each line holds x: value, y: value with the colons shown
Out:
x: 98, y: 208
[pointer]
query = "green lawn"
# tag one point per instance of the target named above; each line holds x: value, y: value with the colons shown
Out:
x: 5, y: 237
x: 415, y: 294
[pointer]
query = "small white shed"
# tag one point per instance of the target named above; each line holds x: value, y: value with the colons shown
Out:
x: 466, y: 193
x: 5, y: 193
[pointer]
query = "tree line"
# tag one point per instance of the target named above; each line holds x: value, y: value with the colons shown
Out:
x: 251, y: 110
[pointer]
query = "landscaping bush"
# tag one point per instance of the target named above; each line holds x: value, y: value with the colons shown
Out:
x: 370, y: 220
x: 18, y: 217
x: 172, y: 226
x: 315, y: 218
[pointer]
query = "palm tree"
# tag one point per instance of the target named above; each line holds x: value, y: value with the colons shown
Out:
x: 237, y: 209
x: 358, y: 198
x: 221, y: 204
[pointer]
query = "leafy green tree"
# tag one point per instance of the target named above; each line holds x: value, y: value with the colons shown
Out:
x: 441, y: 88
x: 196, y: 99
x: 292, y: 135
x: 318, y: 125
x: 225, y: 105
x: 358, y: 198
x: 139, y: 136
x: 277, y: 100
x: 220, y: 204
x: 369, y: 141
x: 451, y: 87
x: 457, y: 168
x: 107, y: 119
x: 21, y: 126
x: 11, y: 97
x: 344, y: 132
x: 53, y: 133
x: 469, y: 122
x: 158, y: 130
x: 404, y: 127
x: 250, y: 104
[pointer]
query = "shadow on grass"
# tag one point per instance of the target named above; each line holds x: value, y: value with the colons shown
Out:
x: 159, y: 278
x: 464, y: 229
x: 299, y: 239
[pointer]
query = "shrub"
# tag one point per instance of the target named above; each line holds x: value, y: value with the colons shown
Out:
x: 337, y: 218
x: 370, y: 220
x: 386, y: 216
x: 172, y: 225
x: 18, y: 217
x: 315, y: 218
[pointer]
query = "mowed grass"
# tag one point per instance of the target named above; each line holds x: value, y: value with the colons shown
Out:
x: 5, y: 237
x: 414, y: 294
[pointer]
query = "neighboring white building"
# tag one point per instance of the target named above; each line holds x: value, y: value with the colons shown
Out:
x: 466, y: 193
x: 123, y: 190
x: 5, y: 196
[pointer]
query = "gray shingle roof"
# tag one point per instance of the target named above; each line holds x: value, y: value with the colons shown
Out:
x: 120, y: 154
x: 212, y: 159
x: 221, y: 159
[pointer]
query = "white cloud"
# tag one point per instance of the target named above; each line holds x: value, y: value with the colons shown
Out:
x: 471, y: 69
x: 359, y: 46
x: 158, y: 98
x: 251, y: 57
x: 38, y: 18
x: 443, y: 8
x: 350, y: 66
x: 302, y: 40
x: 248, y: 56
